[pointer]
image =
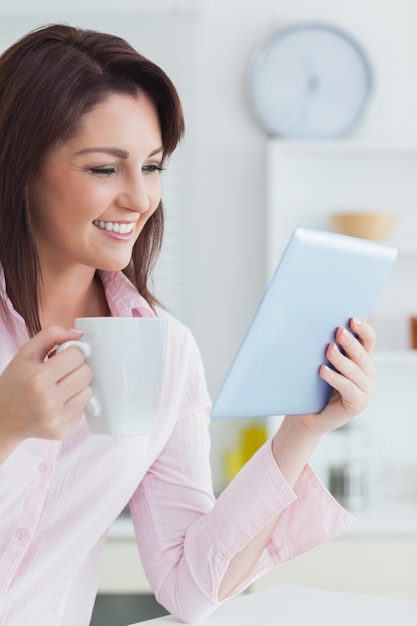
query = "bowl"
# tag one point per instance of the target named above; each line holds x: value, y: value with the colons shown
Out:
x: 375, y: 225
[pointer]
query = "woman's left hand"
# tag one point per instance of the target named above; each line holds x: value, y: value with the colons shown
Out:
x: 353, y: 382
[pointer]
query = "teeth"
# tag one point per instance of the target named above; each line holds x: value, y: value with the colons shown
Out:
x: 116, y: 227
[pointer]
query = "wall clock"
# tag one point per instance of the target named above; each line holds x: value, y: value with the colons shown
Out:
x: 309, y: 80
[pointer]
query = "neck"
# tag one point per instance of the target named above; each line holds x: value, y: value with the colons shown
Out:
x: 75, y: 294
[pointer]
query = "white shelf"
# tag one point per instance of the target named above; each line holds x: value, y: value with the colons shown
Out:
x: 122, y: 528
x: 387, y: 517
x: 395, y: 357
x: 405, y: 248
x: 309, y: 180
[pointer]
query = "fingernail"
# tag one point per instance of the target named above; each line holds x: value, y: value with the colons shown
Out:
x: 75, y: 331
x: 357, y: 321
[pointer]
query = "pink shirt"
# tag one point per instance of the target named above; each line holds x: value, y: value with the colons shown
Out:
x: 59, y: 498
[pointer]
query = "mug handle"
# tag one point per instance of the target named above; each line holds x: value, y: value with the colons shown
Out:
x: 93, y: 406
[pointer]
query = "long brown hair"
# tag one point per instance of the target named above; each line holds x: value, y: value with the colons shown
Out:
x: 48, y: 80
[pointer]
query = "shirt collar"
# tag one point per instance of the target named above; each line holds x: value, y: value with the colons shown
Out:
x: 122, y: 297
x: 18, y: 324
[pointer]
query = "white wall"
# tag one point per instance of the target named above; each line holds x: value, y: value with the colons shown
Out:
x: 234, y: 145
x: 231, y: 207
x: 233, y: 201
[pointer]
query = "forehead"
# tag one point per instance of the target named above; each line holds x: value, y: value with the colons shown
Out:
x: 120, y: 118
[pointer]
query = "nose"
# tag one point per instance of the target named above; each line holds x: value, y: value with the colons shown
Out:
x: 136, y: 194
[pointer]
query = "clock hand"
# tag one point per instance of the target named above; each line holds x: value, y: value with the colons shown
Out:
x: 311, y: 87
x: 296, y: 114
x: 313, y: 83
x: 313, y: 80
x: 299, y: 114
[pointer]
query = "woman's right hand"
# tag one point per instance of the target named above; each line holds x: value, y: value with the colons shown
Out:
x: 43, y: 396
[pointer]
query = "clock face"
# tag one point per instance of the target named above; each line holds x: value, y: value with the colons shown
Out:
x: 309, y: 81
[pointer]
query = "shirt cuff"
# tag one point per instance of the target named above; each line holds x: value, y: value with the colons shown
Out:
x: 309, y: 516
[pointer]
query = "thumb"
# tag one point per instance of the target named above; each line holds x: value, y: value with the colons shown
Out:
x: 42, y: 344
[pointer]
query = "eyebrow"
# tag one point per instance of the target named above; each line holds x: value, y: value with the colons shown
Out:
x: 118, y: 152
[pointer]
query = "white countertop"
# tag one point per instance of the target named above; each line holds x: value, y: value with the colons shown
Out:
x: 121, y: 529
x: 303, y: 606
x: 387, y: 517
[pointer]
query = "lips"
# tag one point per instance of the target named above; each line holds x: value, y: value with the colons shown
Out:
x: 122, y: 228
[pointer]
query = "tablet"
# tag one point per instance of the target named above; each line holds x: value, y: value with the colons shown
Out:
x: 322, y: 280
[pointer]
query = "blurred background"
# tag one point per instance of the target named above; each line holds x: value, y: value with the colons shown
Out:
x: 233, y: 193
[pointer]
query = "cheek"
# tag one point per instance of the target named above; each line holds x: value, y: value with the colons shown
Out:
x: 145, y: 217
x: 148, y: 214
x: 155, y: 199
x: 156, y: 195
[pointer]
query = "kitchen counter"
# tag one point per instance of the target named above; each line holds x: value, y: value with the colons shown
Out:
x: 387, y: 517
x: 301, y: 606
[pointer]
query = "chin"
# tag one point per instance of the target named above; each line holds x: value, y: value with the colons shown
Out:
x: 114, y: 266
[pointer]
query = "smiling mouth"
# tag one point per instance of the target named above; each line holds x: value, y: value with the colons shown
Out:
x: 116, y: 227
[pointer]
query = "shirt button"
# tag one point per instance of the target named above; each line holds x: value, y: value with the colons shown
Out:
x: 21, y: 534
x: 45, y: 468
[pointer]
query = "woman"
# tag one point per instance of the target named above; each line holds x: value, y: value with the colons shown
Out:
x: 86, y: 124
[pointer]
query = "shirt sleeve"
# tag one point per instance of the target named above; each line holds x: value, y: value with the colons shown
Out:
x: 187, y: 539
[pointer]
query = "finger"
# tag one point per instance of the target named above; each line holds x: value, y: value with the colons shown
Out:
x: 353, y: 398
x: 360, y: 376
x: 364, y: 332
x: 64, y: 363
x: 75, y: 382
x: 70, y: 416
x: 75, y: 407
x: 38, y: 348
x: 355, y: 351
x: 69, y: 405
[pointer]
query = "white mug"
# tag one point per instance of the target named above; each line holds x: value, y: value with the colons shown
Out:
x: 127, y: 357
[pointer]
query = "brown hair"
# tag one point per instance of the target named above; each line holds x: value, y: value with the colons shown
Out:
x: 48, y: 80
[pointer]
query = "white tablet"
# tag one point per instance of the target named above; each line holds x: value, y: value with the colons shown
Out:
x: 322, y: 280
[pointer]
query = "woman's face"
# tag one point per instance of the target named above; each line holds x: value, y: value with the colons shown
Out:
x: 97, y: 190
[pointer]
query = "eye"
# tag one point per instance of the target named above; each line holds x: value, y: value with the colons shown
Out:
x: 103, y: 171
x: 151, y: 168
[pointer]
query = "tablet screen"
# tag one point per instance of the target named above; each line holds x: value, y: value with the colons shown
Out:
x: 322, y: 280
